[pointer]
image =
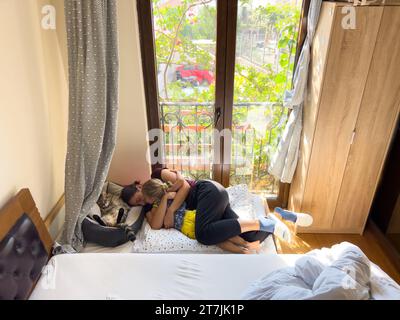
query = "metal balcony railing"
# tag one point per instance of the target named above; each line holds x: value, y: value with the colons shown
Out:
x: 189, y: 139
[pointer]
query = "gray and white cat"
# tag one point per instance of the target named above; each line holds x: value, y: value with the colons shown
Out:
x: 113, y: 210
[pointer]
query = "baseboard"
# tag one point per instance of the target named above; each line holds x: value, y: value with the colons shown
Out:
x: 310, y: 230
x: 55, y: 219
x: 54, y: 212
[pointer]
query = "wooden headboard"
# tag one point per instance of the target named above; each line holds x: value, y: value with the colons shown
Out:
x: 23, y: 203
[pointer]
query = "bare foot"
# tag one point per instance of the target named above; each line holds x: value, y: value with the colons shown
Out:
x: 244, y: 250
x: 255, y: 245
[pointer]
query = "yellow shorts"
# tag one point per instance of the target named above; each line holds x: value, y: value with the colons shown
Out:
x: 189, y: 223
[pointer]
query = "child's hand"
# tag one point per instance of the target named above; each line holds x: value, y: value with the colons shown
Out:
x: 171, y: 195
x: 169, y: 219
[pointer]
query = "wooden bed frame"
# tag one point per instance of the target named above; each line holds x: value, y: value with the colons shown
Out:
x: 15, y: 208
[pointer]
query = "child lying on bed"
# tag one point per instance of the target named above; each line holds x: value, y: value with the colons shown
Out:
x: 202, y: 212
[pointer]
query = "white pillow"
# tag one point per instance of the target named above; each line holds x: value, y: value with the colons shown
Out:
x: 242, y: 201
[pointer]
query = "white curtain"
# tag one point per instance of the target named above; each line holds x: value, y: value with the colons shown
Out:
x: 284, y: 161
x: 93, y: 105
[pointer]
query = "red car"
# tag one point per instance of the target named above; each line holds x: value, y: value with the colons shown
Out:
x: 196, y: 75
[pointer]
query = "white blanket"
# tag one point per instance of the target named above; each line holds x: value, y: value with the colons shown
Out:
x: 342, y: 272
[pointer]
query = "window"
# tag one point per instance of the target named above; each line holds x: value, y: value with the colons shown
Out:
x: 220, y: 65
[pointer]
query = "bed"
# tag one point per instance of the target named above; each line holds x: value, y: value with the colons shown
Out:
x: 154, y: 276
x: 245, y: 204
x: 28, y: 272
x: 164, y: 277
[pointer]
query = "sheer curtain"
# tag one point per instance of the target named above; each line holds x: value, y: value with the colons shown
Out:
x: 284, y: 161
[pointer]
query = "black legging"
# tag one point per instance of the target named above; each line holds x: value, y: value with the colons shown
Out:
x: 216, y: 222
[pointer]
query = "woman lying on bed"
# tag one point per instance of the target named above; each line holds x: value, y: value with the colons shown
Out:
x: 201, y: 210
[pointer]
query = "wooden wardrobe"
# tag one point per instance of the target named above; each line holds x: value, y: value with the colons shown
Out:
x: 350, y: 113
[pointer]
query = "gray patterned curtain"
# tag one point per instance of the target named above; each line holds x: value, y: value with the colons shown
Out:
x: 284, y: 161
x: 93, y: 105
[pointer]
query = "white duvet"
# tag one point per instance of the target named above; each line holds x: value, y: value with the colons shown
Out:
x: 342, y: 272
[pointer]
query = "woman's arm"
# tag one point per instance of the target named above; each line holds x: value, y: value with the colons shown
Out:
x: 174, y: 177
x: 180, y: 180
x: 183, y: 190
x: 156, y: 216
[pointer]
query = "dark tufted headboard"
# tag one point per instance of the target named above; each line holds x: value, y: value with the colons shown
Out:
x: 25, y: 247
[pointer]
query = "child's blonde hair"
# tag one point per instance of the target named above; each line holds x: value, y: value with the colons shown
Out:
x: 155, y: 189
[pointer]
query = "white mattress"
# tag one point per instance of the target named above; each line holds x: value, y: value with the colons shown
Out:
x: 153, y: 276
x: 172, y: 276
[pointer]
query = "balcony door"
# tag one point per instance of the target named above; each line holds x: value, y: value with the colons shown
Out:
x: 215, y: 72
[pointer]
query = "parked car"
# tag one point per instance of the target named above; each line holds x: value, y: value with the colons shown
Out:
x: 194, y: 74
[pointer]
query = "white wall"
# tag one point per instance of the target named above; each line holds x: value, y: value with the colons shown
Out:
x: 129, y: 162
x: 33, y: 102
x: 33, y: 105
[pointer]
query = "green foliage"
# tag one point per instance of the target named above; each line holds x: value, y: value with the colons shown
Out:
x: 176, y: 30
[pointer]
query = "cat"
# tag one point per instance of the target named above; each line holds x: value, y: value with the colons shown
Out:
x: 113, y: 211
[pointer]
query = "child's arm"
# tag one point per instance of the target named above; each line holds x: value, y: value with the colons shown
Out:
x: 179, y: 199
x: 156, y: 216
x: 182, y: 189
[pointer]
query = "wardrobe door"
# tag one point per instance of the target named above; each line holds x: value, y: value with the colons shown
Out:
x: 319, y: 53
x: 376, y: 121
x: 349, y: 58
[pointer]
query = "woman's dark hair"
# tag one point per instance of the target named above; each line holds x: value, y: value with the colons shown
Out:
x: 128, y: 191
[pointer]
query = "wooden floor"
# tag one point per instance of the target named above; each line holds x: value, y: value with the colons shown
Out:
x: 372, y: 243
x: 395, y: 239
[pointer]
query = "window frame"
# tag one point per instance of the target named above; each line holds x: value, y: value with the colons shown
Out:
x: 225, y: 72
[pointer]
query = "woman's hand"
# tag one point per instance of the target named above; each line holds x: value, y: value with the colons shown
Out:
x: 169, y: 219
x: 174, y: 177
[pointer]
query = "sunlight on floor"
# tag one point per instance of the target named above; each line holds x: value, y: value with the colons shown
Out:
x: 298, y: 244
x: 369, y: 243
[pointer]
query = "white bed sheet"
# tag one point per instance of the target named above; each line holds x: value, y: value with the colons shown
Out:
x: 268, y: 247
x: 172, y: 277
